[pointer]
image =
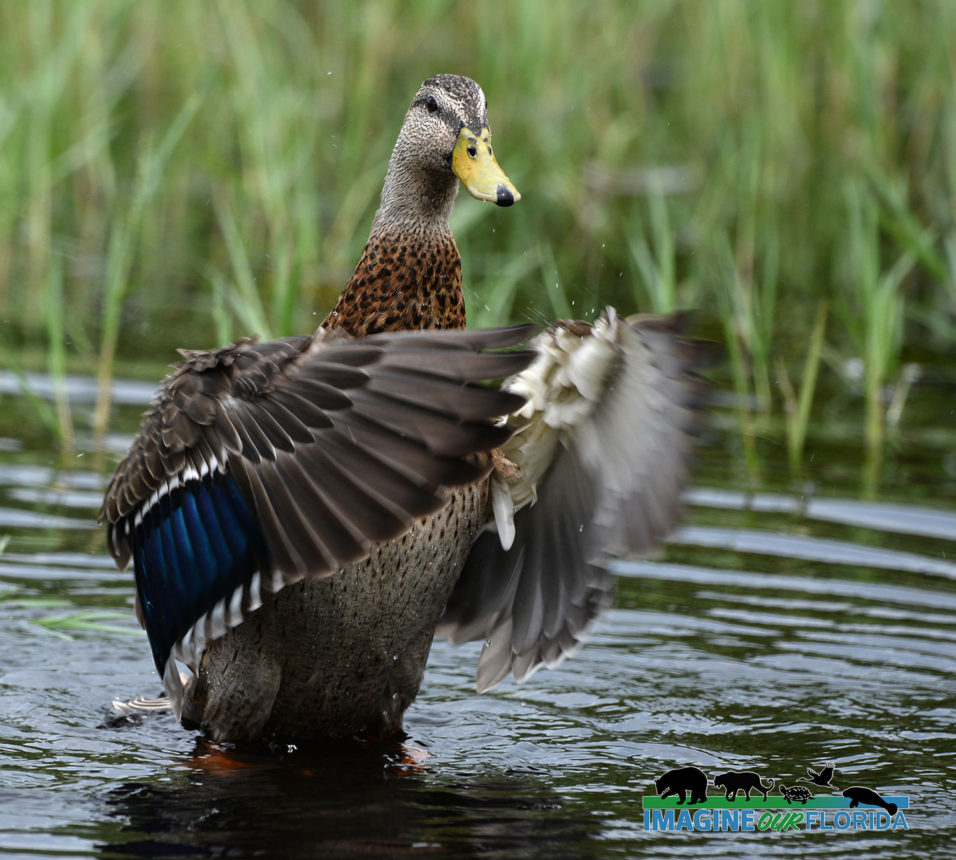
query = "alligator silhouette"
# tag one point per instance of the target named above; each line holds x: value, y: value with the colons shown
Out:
x: 746, y: 781
x: 858, y: 794
x: 821, y: 777
x: 681, y: 781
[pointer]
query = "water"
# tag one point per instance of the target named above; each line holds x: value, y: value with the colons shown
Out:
x: 776, y: 631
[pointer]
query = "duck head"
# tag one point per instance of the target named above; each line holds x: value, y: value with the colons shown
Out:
x: 444, y: 138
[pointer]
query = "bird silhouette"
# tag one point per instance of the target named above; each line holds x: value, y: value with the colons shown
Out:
x: 821, y: 777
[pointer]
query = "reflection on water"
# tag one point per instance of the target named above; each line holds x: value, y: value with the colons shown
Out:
x: 882, y: 516
x: 345, y: 799
x: 762, y: 542
x: 775, y: 632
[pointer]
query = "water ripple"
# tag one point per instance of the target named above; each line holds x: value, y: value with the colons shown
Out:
x: 825, y: 648
x: 758, y: 541
x: 880, y: 516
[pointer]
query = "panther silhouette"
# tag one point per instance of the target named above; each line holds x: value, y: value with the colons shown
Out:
x: 745, y: 781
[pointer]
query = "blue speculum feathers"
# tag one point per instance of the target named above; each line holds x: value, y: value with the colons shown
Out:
x: 193, y: 548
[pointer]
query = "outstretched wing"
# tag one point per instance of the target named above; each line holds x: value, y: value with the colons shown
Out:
x: 259, y: 464
x: 601, y: 450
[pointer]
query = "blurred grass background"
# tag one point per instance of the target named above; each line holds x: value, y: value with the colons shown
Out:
x: 175, y: 173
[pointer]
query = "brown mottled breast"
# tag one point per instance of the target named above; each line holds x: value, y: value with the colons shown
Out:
x: 401, y: 283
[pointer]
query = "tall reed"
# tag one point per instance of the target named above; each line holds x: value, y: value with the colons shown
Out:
x: 201, y: 170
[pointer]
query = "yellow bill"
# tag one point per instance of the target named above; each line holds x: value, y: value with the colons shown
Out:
x: 474, y: 164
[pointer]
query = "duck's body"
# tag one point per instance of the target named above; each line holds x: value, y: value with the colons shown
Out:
x: 300, y: 513
x: 345, y: 654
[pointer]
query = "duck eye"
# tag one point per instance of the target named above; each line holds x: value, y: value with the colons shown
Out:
x: 431, y: 105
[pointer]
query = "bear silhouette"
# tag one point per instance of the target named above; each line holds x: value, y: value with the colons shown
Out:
x: 681, y: 781
x: 858, y: 794
x: 745, y: 781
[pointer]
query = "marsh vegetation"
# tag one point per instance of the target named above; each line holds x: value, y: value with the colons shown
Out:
x: 178, y: 173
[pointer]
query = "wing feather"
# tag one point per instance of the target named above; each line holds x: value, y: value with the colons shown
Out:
x: 261, y: 463
x: 601, y: 452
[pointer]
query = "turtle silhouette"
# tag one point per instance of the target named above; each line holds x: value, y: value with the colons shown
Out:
x: 858, y: 794
x: 820, y: 777
x: 795, y: 793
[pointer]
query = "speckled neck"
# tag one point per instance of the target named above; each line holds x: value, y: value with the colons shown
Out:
x: 409, y: 276
x: 403, y: 281
x: 415, y: 200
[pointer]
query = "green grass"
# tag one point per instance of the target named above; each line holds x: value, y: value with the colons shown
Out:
x: 66, y: 626
x: 176, y: 173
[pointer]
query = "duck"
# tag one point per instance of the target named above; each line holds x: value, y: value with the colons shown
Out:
x: 305, y: 515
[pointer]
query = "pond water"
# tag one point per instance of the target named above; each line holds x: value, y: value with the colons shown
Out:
x: 776, y: 631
